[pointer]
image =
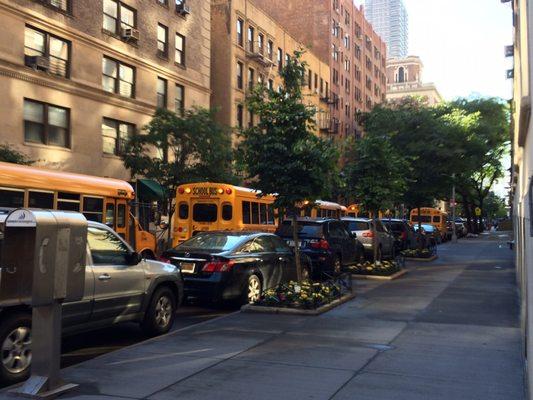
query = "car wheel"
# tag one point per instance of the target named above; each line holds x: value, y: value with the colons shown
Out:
x: 148, y: 255
x: 253, y: 290
x: 15, y: 351
x: 337, y: 265
x: 160, y: 313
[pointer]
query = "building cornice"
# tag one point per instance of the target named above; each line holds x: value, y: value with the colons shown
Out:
x: 76, y: 35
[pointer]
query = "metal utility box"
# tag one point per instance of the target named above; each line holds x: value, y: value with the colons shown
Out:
x: 43, y: 257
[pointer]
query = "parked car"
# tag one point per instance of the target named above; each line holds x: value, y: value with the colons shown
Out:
x: 404, y: 235
x: 327, y: 243
x: 460, y: 229
x: 431, y: 235
x: 119, y: 286
x: 362, y: 228
x: 233, y: 265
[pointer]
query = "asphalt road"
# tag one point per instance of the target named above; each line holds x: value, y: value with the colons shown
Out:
x: 82, y: 347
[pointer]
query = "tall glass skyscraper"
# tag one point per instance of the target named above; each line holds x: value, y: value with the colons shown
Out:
x: 390, y: 21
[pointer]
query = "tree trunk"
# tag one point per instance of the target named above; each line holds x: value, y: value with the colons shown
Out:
x: 375, y: 240
x: 169, y: 225
x: 296, y: 246
x: 421, y: 244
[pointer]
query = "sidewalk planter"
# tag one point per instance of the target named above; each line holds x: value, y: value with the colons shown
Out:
x: 386, y: 270
x: 424, y: 255
x: 305, y: 298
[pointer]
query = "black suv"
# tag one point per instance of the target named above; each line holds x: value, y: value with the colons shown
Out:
x: 327, y: 242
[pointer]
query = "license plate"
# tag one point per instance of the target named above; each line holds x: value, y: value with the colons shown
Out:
x: 291, y: 243
x: 187, y: 268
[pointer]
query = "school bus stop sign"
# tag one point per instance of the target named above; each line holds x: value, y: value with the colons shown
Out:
x: 478, y: 212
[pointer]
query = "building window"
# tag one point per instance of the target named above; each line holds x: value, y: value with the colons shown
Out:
x: 346, y: 41
x: 118, y: 77
x: 251, y: 81
x: 280, y: 59
x: 239, y: 75
x: 118, y: 16
x: 347, y: 65
x: 240, y: 111
x: 270, y: 49
x: 310, y: 79
x: 46, y: 52
x: 179, y: 57
x: 179, y: 100
x: 270, y: 84
x: 334, y: 53
x: 161, y: 93
x: 357, y: 51
x: 240, y: 27
x: 63, y: 5
x: 335, y: 28
x: 46, y: 123
x: 162, y: 40
x: 250, y: 119
x: 316, y: 82
x: 250, y: 39
x: 115, y: 134
x: 335, y: 76
x: 260, y: 43
x: 163, y: 2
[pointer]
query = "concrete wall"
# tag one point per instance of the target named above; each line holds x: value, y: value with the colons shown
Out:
x: 82, y: 92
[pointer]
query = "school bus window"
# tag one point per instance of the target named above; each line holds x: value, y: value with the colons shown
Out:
x: 227, y: 212
x: 121, y: 215
x: 93, y: 208
x: 255, y: 213
x: 11, y: 198
x: 203, y: 212
x: 307, y: 211
x: 263, y: 214
x: 270, y: 220
x: 68, y: 201
x: 40, y: 200
x: 183, y: 211
x: 110, y: 215
x: 246, y: 212
x: 436, y: 219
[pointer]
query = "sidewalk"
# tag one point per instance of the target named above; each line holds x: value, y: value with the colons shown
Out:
x: 447, y: 330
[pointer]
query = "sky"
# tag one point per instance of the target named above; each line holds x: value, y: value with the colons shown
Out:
x: 461, y: 43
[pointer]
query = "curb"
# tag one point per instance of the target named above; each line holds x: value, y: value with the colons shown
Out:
x: 396, y: 275
x: 249, y: 308
x: 432, y: 258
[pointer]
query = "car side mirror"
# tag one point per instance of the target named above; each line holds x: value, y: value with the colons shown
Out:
x: 353, y: 234
x: 134, y: 258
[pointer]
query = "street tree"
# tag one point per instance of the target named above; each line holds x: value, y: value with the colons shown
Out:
x: 281, y: 155
x: 375, y: 175
x: 175, y: 149
x: 9, y: 154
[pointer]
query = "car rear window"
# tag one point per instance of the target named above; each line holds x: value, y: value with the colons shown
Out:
x: 395, y: 226
x: 309, y: 229
x: 211, y: 241
x: 358, y: 226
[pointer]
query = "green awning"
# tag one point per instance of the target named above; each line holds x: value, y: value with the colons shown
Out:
x: 149, y: 190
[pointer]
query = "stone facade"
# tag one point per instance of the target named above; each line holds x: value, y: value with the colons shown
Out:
x: 75, y: 92
x: 240, y: 61
x: 404, y: 79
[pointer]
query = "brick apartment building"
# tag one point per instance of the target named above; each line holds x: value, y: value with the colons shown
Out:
x: 249, y: 47
x: 78, y: 76
x: 338, y: 33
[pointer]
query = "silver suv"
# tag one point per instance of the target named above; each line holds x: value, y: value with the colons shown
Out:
x: 362, y: 228
x: 119, y: 286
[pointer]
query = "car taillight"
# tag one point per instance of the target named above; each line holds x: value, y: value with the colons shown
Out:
x: 218, y: 266
x: 321, y: 244
x: 368, y: 234
x: 164, y: 259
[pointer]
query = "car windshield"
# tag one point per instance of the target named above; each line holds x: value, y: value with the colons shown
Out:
x: 357, y: 225
x: 211, y: 241
x: 305, y: 228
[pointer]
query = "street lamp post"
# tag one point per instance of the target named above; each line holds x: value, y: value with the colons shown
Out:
x: 454, y: 231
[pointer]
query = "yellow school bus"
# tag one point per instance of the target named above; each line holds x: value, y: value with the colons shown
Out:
x: 432, y: 216
x: 207, y: 206
x: 99, y: 199
x: 323, y: 209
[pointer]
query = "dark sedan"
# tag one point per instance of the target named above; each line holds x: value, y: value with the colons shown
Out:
x: 226, y: 265
x: 327, y: 242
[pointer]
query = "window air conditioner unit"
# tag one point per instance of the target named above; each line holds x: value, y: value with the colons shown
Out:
x: 38, y: 62
x: 183, y: 9
x: 130, y: 33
